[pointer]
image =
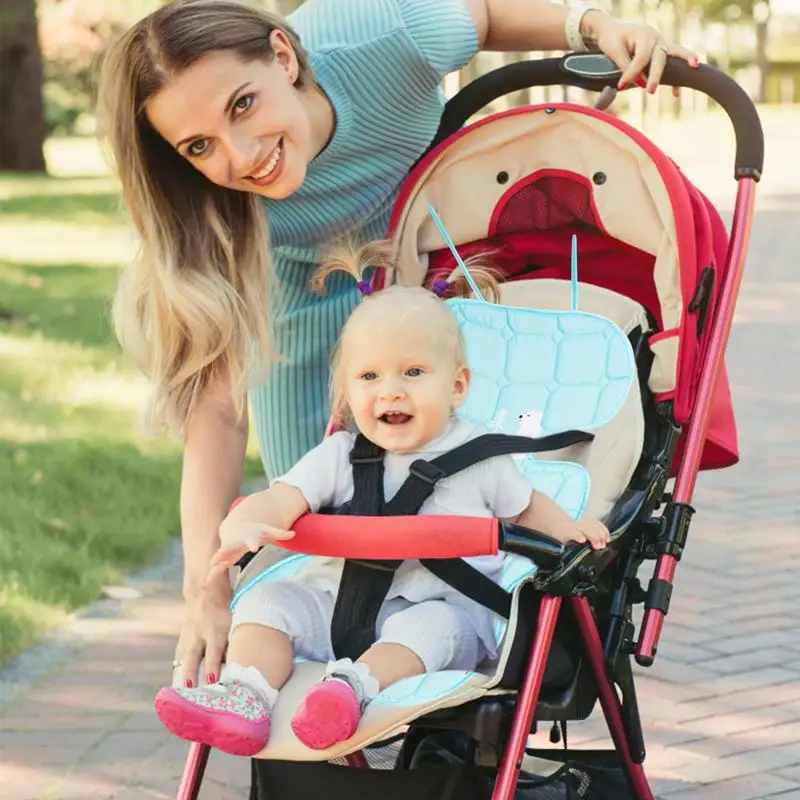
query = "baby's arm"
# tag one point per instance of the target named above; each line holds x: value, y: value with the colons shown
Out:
x: 259, y: 519
x: 545, y: 515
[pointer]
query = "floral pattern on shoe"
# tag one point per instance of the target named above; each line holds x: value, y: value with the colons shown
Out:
x: 236, y: 698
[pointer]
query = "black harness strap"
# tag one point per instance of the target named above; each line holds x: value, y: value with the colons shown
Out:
x: 471, y: 583
x: 424, y: 475
x: 365, y: 584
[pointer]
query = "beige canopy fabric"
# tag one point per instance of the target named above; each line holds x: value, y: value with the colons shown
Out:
x: 463, y: 183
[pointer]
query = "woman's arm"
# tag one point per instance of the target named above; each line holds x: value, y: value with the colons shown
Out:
x: 510, y: 25
x: 216, y: 440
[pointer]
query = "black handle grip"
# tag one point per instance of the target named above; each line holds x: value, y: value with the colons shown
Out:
x: 597, y: 72
x: 540, y: 548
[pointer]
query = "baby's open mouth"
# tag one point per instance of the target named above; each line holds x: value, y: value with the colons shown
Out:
x: 395, y: 418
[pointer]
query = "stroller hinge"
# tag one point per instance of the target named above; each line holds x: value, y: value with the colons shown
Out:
x: 674, y: 529
x: 659, y: 593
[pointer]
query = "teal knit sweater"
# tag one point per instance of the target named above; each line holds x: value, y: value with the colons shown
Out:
x: 381, y: 63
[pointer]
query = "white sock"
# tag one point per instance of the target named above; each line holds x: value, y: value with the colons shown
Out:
x: 233, y: 672
x: 365, y: 686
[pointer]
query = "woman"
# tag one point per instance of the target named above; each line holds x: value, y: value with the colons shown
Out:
x: 246, y: 145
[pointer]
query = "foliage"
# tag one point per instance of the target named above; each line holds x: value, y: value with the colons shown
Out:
x: 83, y: 497
x: 73, y: 35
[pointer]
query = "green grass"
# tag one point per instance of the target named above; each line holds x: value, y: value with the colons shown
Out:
x: 83, y: 496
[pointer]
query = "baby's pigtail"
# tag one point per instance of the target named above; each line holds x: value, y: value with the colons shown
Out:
x: 486, y: 278
x: 355, y: 261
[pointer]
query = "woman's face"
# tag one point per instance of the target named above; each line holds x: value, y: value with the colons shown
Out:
x: 243, y: 125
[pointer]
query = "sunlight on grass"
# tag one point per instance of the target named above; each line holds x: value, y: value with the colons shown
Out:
x: 67, y: 157
x: 83, y: 497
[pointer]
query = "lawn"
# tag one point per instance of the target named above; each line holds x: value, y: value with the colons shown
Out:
x: 84, y: 497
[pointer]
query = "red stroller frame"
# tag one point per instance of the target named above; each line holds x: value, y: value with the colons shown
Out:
x: 567, y: 575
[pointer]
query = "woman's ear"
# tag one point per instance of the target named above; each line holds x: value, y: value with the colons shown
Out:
x: 284, y: 54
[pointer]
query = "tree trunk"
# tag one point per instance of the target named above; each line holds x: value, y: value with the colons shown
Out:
x: 762, y: 60
x: 22, y: 124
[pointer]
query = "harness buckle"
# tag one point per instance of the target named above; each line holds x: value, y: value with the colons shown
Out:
x: 427, y: 471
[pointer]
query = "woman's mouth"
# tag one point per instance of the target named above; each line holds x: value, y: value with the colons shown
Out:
x: 269, y: 169
x: 395, y: 418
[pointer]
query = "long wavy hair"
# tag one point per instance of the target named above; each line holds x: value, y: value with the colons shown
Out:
x: 196, y: 299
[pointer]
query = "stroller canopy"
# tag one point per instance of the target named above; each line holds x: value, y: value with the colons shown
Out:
x: 518, y: 184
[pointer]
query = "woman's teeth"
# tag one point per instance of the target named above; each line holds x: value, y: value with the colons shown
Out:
x: 271, y: 164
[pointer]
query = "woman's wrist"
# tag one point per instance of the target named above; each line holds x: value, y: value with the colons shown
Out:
x: 218, y: 588
x: 590, y: 26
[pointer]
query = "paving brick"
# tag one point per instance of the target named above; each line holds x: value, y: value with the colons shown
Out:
x: 749, y: 787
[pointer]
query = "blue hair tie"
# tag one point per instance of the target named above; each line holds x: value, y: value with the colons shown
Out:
x: 365, y: 287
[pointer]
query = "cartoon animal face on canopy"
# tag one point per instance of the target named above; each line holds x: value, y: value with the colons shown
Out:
x: 524, y: 181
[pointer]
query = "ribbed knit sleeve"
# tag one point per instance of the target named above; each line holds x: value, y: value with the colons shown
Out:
x: 443, y: 32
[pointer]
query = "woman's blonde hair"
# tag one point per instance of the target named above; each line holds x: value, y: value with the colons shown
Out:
x: 196, y: 300
x: 394, y: 300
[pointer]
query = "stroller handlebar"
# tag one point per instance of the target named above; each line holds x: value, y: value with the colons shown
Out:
x: 597, y: 72
x: 417, y: 537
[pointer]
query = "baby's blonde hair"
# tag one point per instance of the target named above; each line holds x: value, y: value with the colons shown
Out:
x: 196, y: 299
x: 393, y: 304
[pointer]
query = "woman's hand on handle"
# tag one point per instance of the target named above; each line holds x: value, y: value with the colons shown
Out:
x: 525, y: 25
x: 632, y: 47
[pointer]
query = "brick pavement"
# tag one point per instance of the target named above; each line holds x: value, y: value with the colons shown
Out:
x: 721, y: 706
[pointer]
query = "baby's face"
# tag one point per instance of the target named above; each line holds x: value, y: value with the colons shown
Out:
x: 401, y: 387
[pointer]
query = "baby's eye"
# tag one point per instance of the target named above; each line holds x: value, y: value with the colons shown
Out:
x: 414, y: 372
x: 369, y: 376
x: 243, y: 103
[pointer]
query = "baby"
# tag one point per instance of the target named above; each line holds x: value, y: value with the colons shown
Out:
x: 398, y: 375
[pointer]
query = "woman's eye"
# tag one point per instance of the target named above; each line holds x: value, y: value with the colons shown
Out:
x: 197, y: 148
x: 243, y: 103
x: 369, y: 376
x: 414, y: 372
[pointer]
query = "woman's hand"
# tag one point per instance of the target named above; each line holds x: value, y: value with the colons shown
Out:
x: 204, y: 635
x: 632, y: 46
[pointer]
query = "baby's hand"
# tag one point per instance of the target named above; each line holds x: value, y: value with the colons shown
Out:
x: 238, y: 537
x: 586, y: 530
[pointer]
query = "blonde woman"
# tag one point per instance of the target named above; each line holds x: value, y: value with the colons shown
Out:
x: 245, y: 144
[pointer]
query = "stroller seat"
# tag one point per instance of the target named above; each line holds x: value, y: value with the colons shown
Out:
x: 550, y: 365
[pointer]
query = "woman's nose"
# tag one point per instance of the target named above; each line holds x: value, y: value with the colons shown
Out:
x: 243, y: 155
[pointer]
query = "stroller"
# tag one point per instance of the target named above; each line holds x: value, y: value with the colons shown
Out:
x: 628, y: 351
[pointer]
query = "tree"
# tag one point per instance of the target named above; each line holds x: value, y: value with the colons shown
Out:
x: 757, y: 12
x: 22, y: 125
